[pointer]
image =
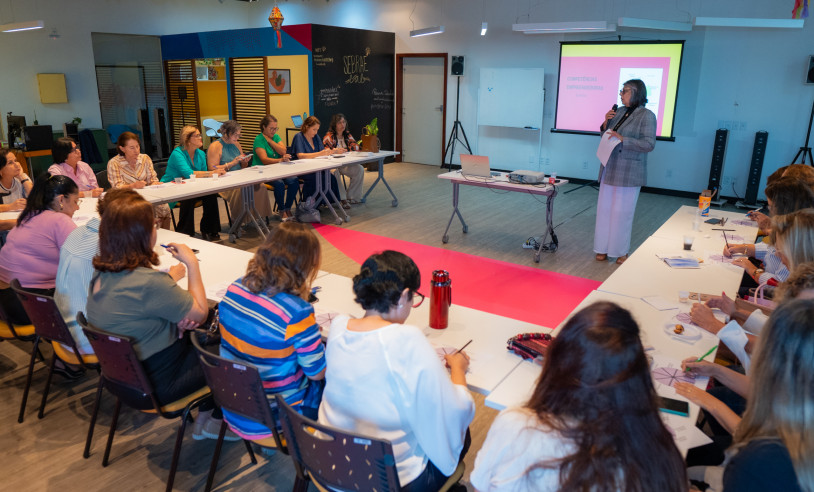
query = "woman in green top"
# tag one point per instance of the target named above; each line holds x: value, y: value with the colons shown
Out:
x: 185, y: 160
x: 226, y: 153
x: 269, y: 149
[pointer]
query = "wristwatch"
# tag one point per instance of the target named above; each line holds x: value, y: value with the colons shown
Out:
x: 758, y: 273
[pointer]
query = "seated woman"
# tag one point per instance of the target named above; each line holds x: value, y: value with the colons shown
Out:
x: 773, y: 444
x: 186, y: 160
x: 338, y: 137
x: 592, y: 422
x: 129, y: 297
x: 269, y: 149
x: 227, y: 154
x: 308, y: 145
x: 68, y: 162
x: 15, y: 186
x: 133, y: 170
x: 384, y: 378
x: 266, y: 320
x: 31, y: 252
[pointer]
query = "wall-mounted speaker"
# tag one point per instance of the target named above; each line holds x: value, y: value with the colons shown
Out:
x: 810, y: 70
x: 457, y: 66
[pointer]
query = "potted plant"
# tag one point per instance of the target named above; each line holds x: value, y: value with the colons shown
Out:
x: 370, y: 136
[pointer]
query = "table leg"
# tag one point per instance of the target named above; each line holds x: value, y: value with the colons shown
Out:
x: 395, y: 201
x: 455, y: 211
x: 327, y: 188
x: 249, y: 210
x: 549, y: 231
x: 321, y: 193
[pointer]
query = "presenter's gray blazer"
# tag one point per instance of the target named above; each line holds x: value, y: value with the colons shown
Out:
x: 627, y: 165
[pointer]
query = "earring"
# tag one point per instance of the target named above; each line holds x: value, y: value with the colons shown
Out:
x: 60, y: 206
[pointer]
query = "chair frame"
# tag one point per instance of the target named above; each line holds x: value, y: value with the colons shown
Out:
x: 122, y: 370
x: 238, y: 388
x: 49, y: 325
x: 304, y: 445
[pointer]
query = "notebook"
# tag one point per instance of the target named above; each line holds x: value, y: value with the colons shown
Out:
x: 476, y: 165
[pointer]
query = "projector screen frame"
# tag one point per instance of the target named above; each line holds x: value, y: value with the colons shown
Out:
x: 680, y: 42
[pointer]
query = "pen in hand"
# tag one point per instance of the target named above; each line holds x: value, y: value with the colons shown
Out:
x: 704, y: 356
x: 465, y: 345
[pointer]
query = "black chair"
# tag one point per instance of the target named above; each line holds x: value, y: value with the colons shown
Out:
x: 124, y: 376
x: 102, y: 181
x: 49, y: 325
x: 238, y: 388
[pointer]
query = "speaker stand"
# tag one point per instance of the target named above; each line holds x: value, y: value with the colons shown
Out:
x: 806, y: 150
x: 453, y: 136
x: 593, y: 184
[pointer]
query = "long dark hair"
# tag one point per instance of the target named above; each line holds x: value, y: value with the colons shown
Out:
x: 288, y: 261
x: 46, y: 189
x: 596, y: 391
x: 332, y: 128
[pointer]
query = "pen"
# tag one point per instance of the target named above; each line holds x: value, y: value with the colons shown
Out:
x: 727, y: 242
x: 171, y: 248
x: 467, y: 344
x: 719, y: 229
x: 703, y: 356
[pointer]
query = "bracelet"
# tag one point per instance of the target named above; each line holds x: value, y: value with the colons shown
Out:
x: 24, y: 180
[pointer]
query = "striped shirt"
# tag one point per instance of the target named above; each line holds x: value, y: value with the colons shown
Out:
x: 121, y: 173
x: 771, y: 263
x: 279, y: 336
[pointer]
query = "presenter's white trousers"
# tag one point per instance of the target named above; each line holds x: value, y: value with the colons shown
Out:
x: 614, y: 219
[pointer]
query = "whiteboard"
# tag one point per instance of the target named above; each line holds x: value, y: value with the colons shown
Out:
x: 511, y: 97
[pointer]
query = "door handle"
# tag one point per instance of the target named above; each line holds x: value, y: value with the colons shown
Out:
x: 440, y: 108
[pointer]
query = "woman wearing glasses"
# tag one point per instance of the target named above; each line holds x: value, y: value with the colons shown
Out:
x: 625, y: 173
x: 407, y: 397
x: 68, y: 162
x: 185, y: 160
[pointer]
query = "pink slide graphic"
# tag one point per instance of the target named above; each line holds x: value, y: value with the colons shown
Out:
x: 589, y: 86
x: 515, y: 291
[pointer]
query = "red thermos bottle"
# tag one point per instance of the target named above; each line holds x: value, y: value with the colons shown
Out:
x: 440, y: 299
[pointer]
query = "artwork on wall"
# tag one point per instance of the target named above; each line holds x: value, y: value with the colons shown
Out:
x: 279, y: 81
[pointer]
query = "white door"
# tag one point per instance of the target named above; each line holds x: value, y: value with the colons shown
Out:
x: 423, y: 111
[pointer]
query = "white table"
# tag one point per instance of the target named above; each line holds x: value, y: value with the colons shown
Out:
x: 645, y: 274
x: 681, y: 223
x: 490, y: 361
x: 501, y: 182
x: 87, y: 210
x: 516, y: 389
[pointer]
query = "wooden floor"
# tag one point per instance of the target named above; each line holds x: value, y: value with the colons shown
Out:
x: 46, y: 455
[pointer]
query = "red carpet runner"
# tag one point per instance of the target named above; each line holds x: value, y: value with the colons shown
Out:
x: 515, y: 291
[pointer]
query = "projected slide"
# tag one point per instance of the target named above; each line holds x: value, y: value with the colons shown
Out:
x: 591, y: 75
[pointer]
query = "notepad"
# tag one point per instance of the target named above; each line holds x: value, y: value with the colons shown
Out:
x: 680, y: 262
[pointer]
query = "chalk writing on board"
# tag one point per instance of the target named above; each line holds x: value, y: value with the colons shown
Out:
x: 382, y: 99
x: 320, y: 57
x: 329, y: 96
x: 356, y: 68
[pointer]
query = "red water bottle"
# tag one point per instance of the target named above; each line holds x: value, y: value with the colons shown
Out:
x: 440, y: 299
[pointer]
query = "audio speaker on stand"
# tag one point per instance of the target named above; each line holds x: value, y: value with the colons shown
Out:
x: 457, y: 67
x: 755, y: 169
x: 716, y: 167
x: 810, y: 70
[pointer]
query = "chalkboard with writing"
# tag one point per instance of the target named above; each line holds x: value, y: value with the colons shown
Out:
x: 353, y: 74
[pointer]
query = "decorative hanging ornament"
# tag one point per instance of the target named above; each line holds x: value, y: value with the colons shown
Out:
x: 800, y: 10
x: 276, y: 20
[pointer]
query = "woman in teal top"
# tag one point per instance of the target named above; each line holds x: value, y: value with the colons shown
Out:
x: 185, y: 160
x: 227, y: 154
x: 269, y: 149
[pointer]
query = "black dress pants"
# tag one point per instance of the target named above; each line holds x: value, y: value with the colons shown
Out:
x: 210, y: 222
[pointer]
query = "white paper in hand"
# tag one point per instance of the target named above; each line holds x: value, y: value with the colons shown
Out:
x: 606, y: 145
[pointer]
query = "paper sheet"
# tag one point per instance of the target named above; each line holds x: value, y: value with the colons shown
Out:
x: 606, y: 145
x: 660, y: 303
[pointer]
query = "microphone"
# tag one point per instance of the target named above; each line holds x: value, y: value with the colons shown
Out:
x: 615, y: 107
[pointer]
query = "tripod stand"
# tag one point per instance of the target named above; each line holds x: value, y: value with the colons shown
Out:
x: 593, y: 184
x: 806, y: 150
x: 453, y: 136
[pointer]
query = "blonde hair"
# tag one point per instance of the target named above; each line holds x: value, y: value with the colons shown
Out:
x: 802, y: 172
x: 781, y: 385
x: 796, y: 232
x: 800, y: 280
x: 186, y: 134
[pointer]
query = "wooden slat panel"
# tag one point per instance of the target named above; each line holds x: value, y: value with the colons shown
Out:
x: 182, y: 96
x: 249, y: 96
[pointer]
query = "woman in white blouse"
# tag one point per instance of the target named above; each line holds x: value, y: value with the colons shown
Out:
x: 385, y: 380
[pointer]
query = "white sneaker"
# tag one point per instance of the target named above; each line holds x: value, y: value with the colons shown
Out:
x: 208, y: 427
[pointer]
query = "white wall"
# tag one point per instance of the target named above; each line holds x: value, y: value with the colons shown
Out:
x: 749, y: 76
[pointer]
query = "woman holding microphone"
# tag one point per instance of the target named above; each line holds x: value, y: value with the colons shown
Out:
x: 621, y: 179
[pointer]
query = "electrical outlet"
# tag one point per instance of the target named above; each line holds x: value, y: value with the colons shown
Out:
x: 584, y: 164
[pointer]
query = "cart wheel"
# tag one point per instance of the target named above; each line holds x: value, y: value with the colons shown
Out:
x: 395, y: 203
x: 536, y: 257
x: 232, y: 238
x: 445, y: 239
x: 338, y: 221
x: 466, y: 229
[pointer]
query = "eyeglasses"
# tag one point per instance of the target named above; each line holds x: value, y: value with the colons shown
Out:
x: 623, y: 91
x: 75, y: 149
x: 197, y: 135
x: 420, y: 299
